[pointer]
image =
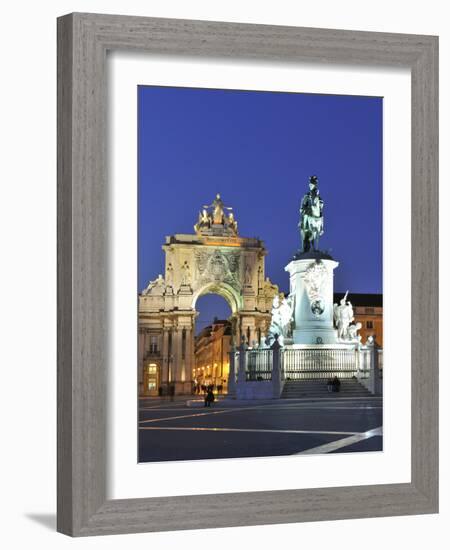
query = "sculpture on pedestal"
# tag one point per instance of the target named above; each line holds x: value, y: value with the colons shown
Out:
x: 311, y: 222
x: 155, y: 287
x: 203, y: 220
x: 248, y: 274
x: 343, y: 317
x: 232, y: 223
x: 169, y: 275
x: 282, y: 319
x: 185, y: 274
x: 216, y: 219
x: 311, y: 276
x: 218, y: 209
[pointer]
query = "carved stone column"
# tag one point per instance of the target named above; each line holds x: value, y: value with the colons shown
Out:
x: 188, y: 361
x: 165, y: 358
x: 177, y: 359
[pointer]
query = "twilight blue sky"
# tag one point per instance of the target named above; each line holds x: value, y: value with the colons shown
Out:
x: 257, y: 149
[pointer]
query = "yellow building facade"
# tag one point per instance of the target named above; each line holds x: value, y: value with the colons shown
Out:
x: 212, y: 356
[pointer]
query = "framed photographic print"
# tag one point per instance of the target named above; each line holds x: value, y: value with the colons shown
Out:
x: 198, y: 350
x: 247, y: 274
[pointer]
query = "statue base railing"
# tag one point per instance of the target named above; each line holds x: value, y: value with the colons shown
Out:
x: 262, y: 373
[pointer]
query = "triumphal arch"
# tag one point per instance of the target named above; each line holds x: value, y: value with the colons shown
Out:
x: 213, y: 260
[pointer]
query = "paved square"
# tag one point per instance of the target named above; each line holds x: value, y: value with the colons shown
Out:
x: 173, y: 431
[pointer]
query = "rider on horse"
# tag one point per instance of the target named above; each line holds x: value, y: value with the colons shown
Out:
x: 311, y: 210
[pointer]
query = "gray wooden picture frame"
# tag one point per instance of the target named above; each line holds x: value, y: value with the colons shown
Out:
x: 83, y: 41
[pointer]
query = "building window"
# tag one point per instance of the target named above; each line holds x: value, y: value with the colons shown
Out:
x: 153, y: 344
x: 152, y: 377
x: 152, y: 368
x: 369, y: 324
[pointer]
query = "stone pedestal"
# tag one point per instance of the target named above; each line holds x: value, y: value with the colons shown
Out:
x: 311, y: 282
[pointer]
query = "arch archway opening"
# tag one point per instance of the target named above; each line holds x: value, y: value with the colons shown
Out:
x: 209, y: 308
x: 212, y: 345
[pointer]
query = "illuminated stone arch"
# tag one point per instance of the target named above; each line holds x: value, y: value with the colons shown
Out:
x: 214, y: 260
x: 226, y: 291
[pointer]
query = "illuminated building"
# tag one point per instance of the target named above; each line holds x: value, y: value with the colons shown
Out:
x: 212, y: 355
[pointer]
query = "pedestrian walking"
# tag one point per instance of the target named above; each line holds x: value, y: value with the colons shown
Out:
x: 209, y: 398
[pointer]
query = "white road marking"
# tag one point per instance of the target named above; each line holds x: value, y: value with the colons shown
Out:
x: 233, y: 409
x: 193, y: 415
x: 340, y: 443
x: 253, y: 430
x: 171, y: 409
x: 289, y: 409
x: 246, y: 408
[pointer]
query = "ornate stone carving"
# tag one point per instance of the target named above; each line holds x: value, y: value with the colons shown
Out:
x: 201, y: 258
x: 315, y: 278
x: 248, y: 274
x: 218, y: 266
x: 185, y: 274
x: 268, y: 289
x: 260, y: 277
x: 233, y: 261
x: 169, y: 274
